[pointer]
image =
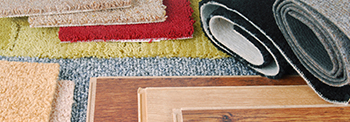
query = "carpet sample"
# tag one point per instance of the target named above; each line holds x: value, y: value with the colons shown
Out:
x: 27, y: 90
x: 178, y: 25
x: 30, y: 39
x: 142, y: 11
x: 18, y: 8
x: 314, y: 39
x: 62, y: 102
x: 8, y: 33
x: 80, y: 71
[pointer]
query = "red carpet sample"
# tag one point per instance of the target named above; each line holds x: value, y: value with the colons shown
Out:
x: 179, y: 24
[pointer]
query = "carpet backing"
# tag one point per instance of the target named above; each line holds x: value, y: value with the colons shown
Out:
x: 44, y: 43
x: 142, y: 11
x: 178, y: 25
x: 310, y: 36
x: 80, y: 71
x: 17, y: 8
x: 27, y: 90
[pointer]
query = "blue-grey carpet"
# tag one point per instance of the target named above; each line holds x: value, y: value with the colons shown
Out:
x: 81, y: 70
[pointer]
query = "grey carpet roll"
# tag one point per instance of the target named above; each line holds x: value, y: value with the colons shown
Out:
x: 311, y: 36
x: 319, y: 33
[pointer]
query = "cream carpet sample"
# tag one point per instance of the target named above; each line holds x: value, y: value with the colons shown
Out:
x: 27, y: 91
x: 142, y: 11
x: 16, y: 8
x: 62, y: 103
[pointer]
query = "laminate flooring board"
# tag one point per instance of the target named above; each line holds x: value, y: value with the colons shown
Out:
x: 291, y: 113
x: 116, y: 97
x: 156, y: 104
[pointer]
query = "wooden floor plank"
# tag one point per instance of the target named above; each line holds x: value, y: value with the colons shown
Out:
x: 311, y: 113
x: 157, y: 103
x: 116, y: 97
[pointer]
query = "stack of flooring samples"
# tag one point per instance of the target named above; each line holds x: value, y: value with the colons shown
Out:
x: 166, y: 104
x: 107, y: 20
x: 178, y: 98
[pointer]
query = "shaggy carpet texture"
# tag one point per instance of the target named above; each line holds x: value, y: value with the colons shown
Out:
x: 62, y: 102
x: 27, y: 90
x: 314, y: 39
x: 16, y: 8
x: 44, y: 43
x: 178, y: 25
x: 82, y: 69
x: 142, y: 11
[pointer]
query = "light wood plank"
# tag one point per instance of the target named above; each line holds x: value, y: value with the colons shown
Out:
x: 116, y: 97
x: 159, y: 102
x: 274, y: 113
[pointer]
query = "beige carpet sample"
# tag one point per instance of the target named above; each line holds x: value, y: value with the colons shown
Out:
x: 27, y: 91
x: 62, y: 103
x: 16, y: 8
x: 142, y: 11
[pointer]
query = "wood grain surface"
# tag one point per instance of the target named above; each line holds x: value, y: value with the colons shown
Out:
x: 331, y: 114
x: 116, y: 97
x: 157, y: 103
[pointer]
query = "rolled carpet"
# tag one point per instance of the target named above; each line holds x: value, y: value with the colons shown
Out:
x: 178, y: 25
x: 27, y: 90
x: 17, y: 8
x: 313, y: 42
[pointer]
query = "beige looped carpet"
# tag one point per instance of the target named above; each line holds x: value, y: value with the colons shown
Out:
x: 16, y: 8
x: 142, y: 11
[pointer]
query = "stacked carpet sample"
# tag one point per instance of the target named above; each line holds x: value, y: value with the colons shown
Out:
x: 27, y: 90
x: 141, y: 11
x: 31, y: 92
x: 44, y: 43
x: 62, y: 102
x: 15, y: 8
x: 310, y: 36
x: 178, y: 25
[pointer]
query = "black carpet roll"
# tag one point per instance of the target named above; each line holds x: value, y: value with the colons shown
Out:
x: 309, y: 42
x: 234, y: 27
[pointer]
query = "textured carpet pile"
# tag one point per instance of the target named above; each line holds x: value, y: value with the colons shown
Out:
x: 16, y: 8
x: 27, y: 90
x: 62, y: 102
x: 179, y: 24
x: 142, y: 11
x: 271, y: 36
x: 44, y: 43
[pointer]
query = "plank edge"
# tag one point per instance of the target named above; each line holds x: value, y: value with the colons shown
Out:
x: 91, y: 100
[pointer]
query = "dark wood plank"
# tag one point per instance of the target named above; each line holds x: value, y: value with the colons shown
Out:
x: 331, y: 114
x: 116, y: 98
